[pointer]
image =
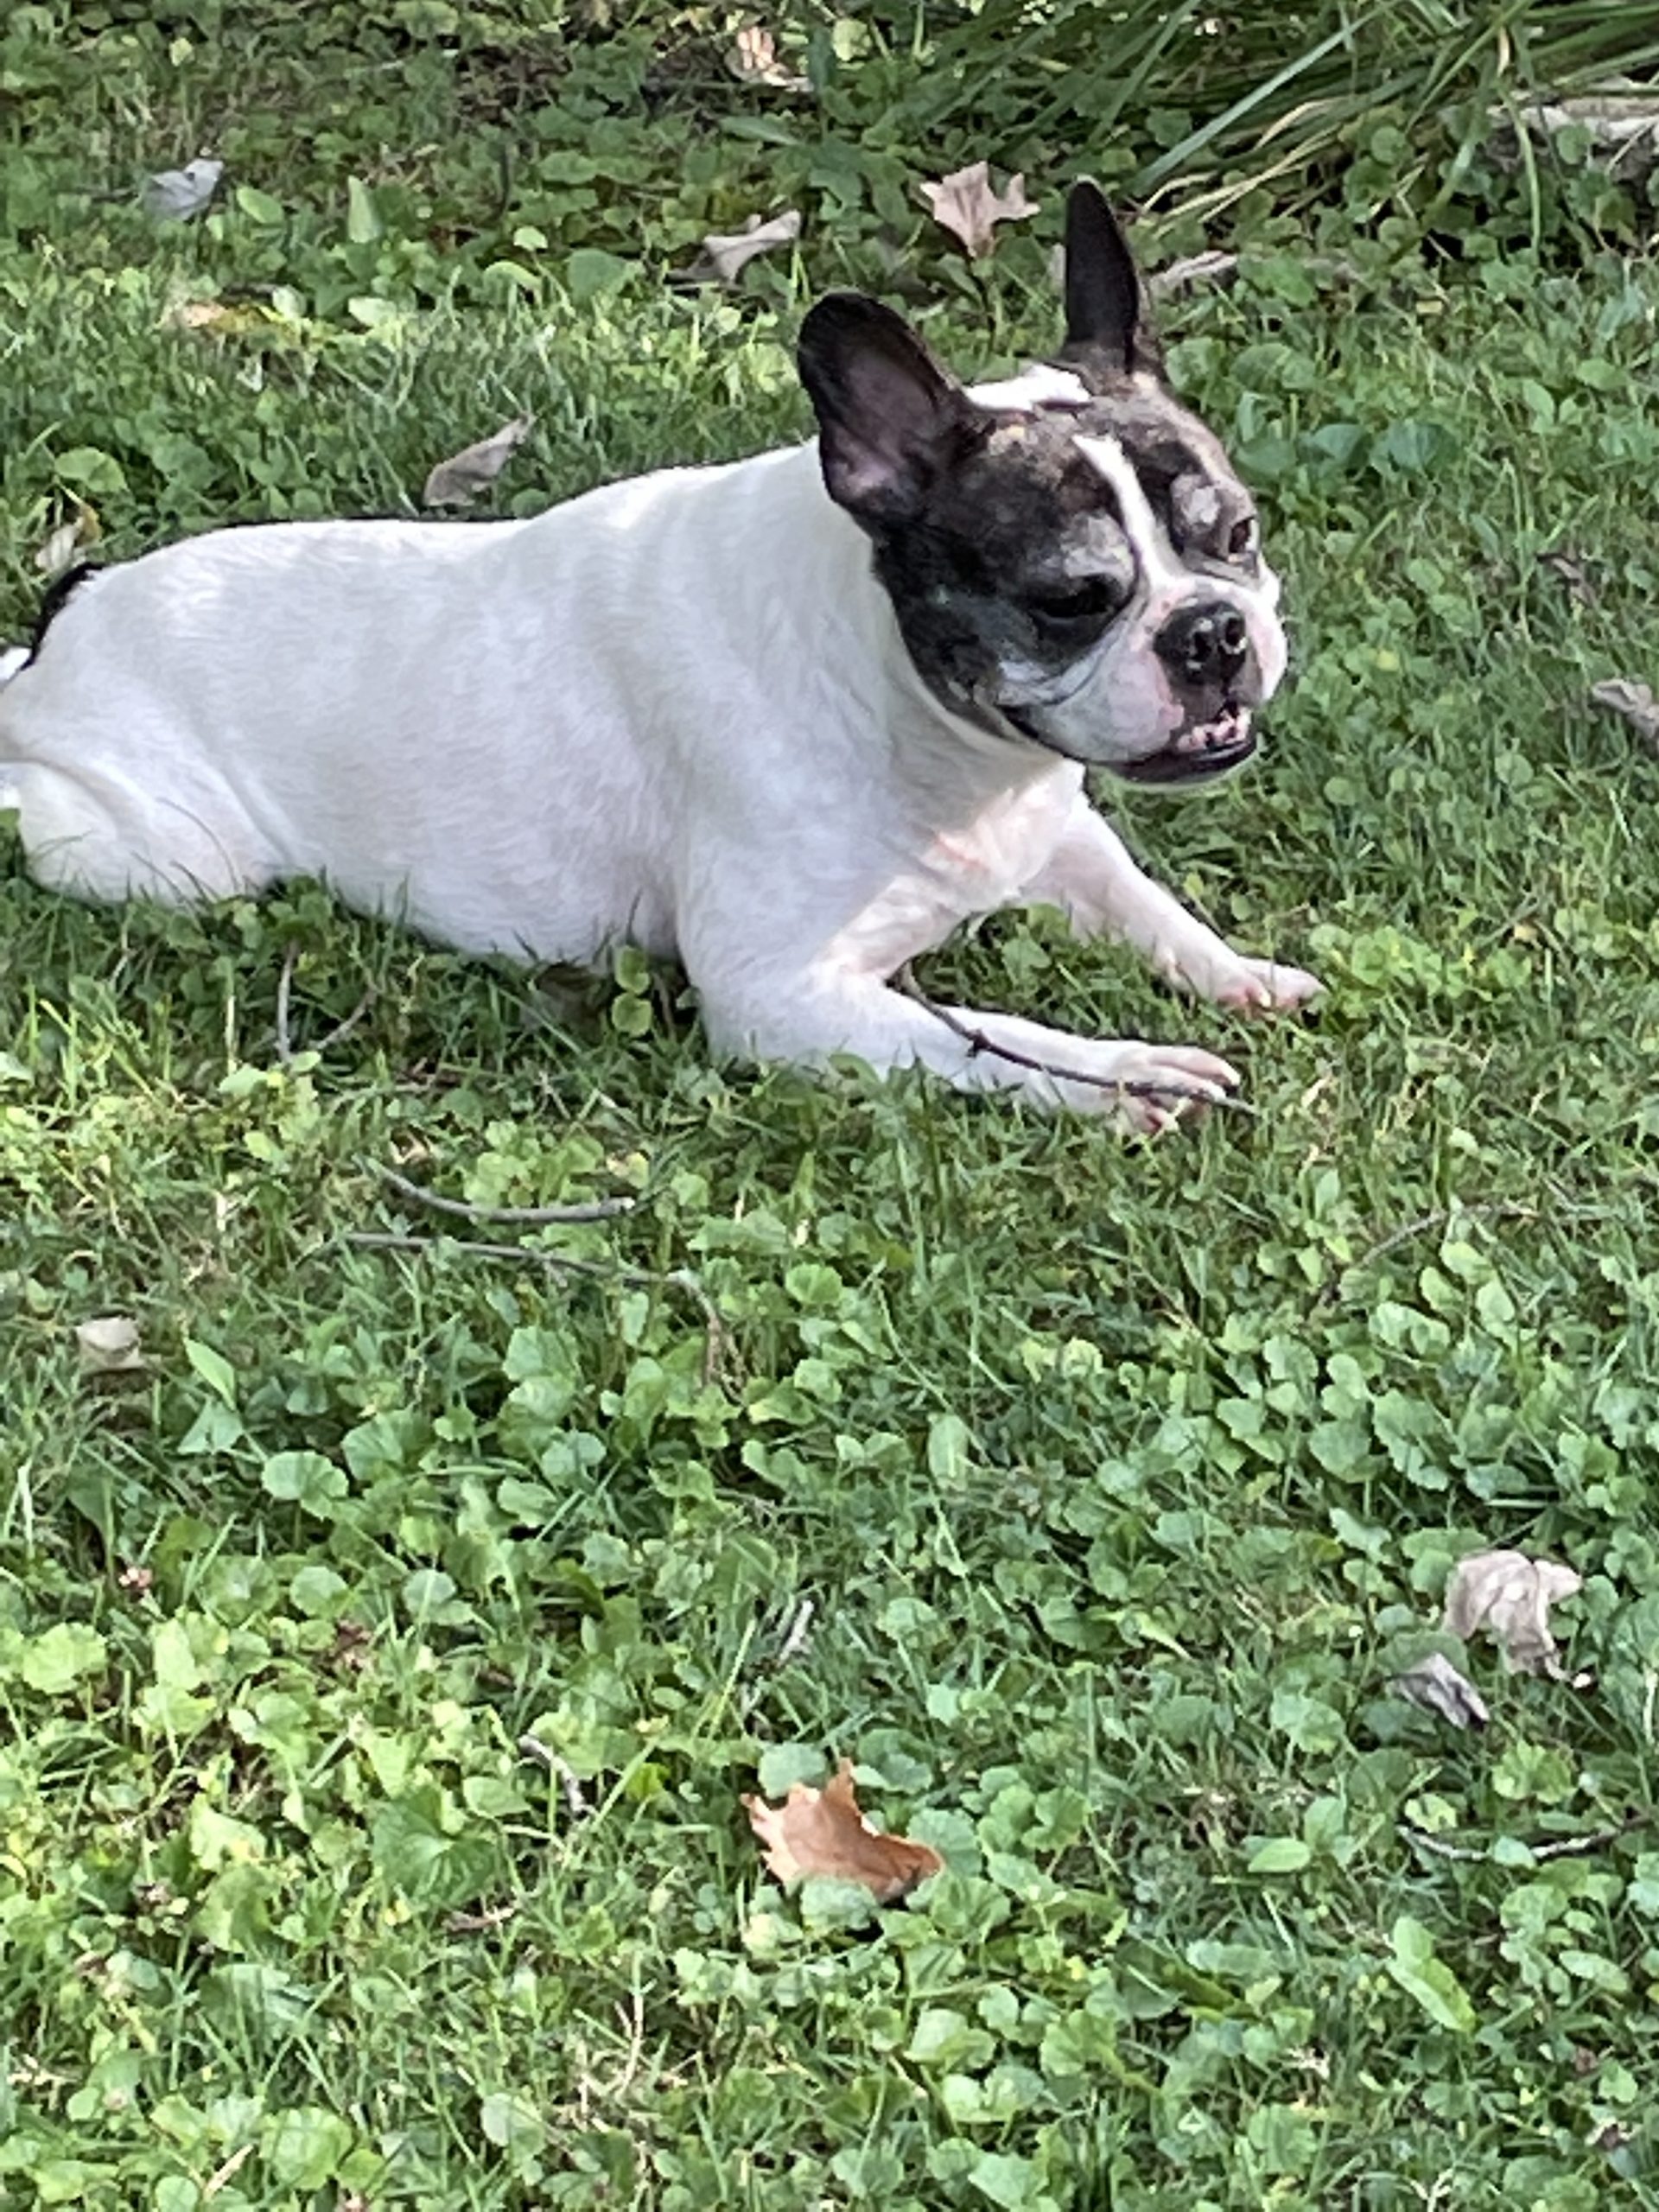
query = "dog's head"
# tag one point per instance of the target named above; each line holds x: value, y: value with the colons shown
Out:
x: 1069, y: 554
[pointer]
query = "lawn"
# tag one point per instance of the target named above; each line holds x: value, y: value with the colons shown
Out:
x: 385, y: 1657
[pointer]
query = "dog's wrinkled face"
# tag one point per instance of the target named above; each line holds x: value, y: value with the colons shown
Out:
x: 1069, y: 554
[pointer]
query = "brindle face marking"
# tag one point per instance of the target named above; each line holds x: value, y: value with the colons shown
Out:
x: 1068, y: 553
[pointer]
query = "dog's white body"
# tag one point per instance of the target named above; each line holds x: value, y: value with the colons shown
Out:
x: 677, y: 711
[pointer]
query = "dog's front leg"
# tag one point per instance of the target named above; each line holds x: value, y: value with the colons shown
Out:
x: 1089, y: 874
x: 807, y: 1018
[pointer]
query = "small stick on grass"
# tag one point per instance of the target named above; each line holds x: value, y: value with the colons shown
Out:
x: 532, y: 1747
x: 337, y: 1035
x: 480, y: 1923
x: 1442, y: 1217
x: 284, y: 986
x: 524, y: 1216
x: 715, y: 1341
x: 798, y: 1629
x: 1569, y: 1846
x: 979, y: 1045
x: 342, y: 1030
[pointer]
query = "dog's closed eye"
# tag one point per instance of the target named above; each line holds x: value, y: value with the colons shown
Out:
x: 1090, y: 599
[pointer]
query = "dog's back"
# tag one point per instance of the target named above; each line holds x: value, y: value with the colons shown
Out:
x: 479, y: 726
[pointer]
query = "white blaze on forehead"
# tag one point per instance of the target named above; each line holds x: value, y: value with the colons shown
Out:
x: 1040, y: 386
x: 1152, y: 550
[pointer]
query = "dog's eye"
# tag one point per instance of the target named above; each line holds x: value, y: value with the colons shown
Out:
x: 1240, y: 539
x: 1089, y: 601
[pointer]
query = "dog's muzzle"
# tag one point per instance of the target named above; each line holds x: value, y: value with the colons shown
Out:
x: 1198, y: 753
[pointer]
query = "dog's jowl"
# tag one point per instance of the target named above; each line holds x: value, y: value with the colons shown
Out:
x: 790, y: 720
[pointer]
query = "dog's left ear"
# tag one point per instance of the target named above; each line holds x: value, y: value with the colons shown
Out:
x: 890, y: 419
x: 1106, y: 332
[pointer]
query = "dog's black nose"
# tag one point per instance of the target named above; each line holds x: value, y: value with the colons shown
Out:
x: 1205, y: 645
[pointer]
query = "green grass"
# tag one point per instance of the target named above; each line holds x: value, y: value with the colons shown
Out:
x: 1120, y: 1482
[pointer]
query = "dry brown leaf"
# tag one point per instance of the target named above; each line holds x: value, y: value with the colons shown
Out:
x: 205, y: 314
x: 754, y: 59
x: 81, y: 529
x: 109, y: 1346
x: 174, y: 195
x: 1635, y: 701
x: 1193, y: 274
x: 727, y: 256
x: 1435, y: 1684
x: 458, y: 481
x: 822, y: 1831
x: 1575, y: 577
x: 1510, y: 1595
x: 964, y: 204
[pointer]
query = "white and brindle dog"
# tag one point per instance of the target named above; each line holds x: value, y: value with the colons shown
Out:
x: 790, y: 720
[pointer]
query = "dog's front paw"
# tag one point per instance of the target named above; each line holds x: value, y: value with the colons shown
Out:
x: 1146, y: 1089
x: 1257, y: 986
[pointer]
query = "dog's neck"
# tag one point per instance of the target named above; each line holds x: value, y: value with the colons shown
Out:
x: 841, y: 614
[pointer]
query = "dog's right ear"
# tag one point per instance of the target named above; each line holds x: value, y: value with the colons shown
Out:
x: 890, y: 419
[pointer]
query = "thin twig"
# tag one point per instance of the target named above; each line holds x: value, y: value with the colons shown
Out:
x: 284, y: 985
x: 979, y: 1044
x: 715, y: 1341
x: 337, y: 1035
x: 1440, y: 1848
x: 480, y: 1923
x: 592, y: 1210
x: 1570, y: 1847
x: 1442, y: 1217
x: 798, y: 1628
x: 1575, y: 1847
x: 342, y: 1030
x: 532, y: 1747
x: 227, y: 2173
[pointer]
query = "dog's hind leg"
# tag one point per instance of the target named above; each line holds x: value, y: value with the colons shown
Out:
x: 97, y: 841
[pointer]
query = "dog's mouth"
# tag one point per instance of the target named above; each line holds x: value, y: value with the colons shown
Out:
x: 1196, y: 753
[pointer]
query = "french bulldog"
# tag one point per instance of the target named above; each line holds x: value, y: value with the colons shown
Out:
x: 789, y: 721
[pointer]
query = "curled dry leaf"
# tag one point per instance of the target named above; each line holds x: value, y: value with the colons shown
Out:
x: 174, y: 195
x: 458, y: 481
x: 1575, y: 577
x: 1635, y: 701
x: 109, y: 1346
x: 79, y: 530
x: 1435, y: 1684
x: 727, y: 256
x: 822, y: 1831
x: 1510, y: 1595
x: 753, y: 60
x: 964, y: 204
x: 1196, y: 272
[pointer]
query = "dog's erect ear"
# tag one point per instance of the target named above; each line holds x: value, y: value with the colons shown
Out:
x: 1103, y: 327
x: 890, y: 419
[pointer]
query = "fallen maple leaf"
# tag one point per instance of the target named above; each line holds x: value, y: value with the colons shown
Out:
x: 109, y: 1346
x: 1435, y: 1684
x: 822, y: 1831
x: 458, y: 481
x: 1635, y: 701
x: 964, y: 204
x: 1510, y: 1595
x: 728, y: 255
